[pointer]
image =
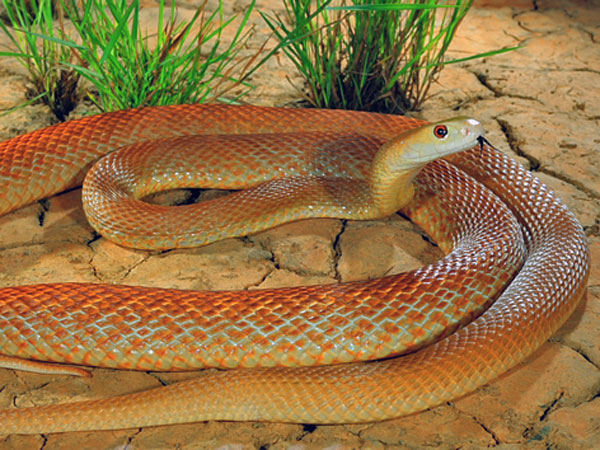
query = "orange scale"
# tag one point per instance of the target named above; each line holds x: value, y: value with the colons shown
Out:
x: 462, y: 301
x: 448, y: 296
x: 144, y: 332
x: 416, y: 316
x: 145, y: 361
x: 111, y: 356
x: 198, y: 335
x: 61, y: 333
x: 418, y: 334
x: 366, y: 325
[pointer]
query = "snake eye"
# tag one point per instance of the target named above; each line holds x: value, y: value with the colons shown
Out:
x: 440, y: 131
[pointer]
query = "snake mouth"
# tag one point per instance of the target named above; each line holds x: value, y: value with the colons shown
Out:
x: 482, y: 140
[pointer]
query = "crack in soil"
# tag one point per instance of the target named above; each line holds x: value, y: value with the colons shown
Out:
x: 94, y: 238
x: 271, y: 258
x: 536, y: 165
x: 264, y: 277
x: 590, y: 34
x: 487, y: 430
x: 44, y: 441
x: 578, y: 184
x: 304, y: 273
x: 127, y: 272
x: 131, y: 438
x: 307, y: 429
x: 494, y: 436
x: 91, y: 264
x: 44, y: 208
x: 484, y: 80
x: 337, y: 252
x: 157, y: 378
x: 580, y: 351
x: 595, y: 229
x: 251, y: 243
x: 135, y: 266
x: 551, y: 407
x: 359, y: 434
x: 514, y: 144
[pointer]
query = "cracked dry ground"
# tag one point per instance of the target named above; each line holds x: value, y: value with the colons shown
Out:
x: 539, y: 104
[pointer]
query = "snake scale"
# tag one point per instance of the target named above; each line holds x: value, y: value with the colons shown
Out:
x: 510, y: 243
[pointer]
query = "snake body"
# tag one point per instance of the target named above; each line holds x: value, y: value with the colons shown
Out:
x: 489, y: 232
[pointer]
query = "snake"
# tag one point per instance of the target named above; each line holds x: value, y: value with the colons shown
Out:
x: 516, y: 266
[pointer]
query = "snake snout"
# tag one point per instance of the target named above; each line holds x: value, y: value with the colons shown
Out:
x: 473, y: 128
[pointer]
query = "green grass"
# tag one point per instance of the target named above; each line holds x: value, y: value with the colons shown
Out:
x: 52, y: 80
x: 123, y: 66
x: 353, y: 54
x: 367, y: 55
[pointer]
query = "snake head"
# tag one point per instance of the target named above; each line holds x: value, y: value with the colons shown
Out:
x: 400, y: 159
x: 417, y: 147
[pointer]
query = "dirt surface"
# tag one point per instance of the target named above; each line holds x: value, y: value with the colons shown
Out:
x: 540, y: 104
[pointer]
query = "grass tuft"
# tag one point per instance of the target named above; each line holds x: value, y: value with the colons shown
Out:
x: 367, y: 55
x: 124, y: 66
x: 52, y: 80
